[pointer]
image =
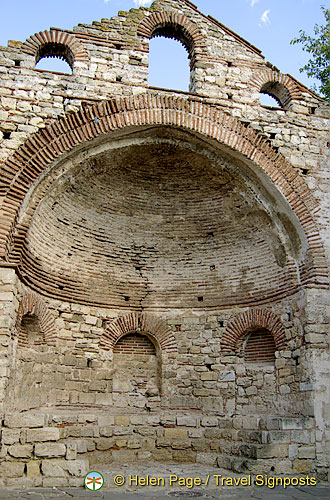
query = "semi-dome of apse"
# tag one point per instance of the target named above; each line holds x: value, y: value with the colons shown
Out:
x: 158, y: 218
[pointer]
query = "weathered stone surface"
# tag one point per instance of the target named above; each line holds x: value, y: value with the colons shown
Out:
x: 20, y: 451
x: 50, y: 450
x: 44, y: 434
x: 24, y: 420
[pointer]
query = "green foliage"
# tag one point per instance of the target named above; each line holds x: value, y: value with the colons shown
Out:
x: 319, y: 47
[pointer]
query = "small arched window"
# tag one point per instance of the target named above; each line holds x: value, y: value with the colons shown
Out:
x: 277, y: 95
x: 55, y: 56
x: 260, y: 347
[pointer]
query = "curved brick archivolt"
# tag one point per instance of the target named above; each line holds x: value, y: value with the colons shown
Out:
x: 33, y: 305
x: 254, y: 318
x: 172, y: 25
x: 139, y: 323
x: 55, y: 43
x: 282, y: 87
x: 44, y: 147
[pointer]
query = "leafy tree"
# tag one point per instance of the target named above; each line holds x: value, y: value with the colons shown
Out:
x: 319, y: 64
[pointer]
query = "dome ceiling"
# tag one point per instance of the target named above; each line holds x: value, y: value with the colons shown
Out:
x: 155, y: 223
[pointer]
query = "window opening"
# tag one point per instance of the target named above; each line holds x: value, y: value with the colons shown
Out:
x: 168, y: 64
x: 55, y: 57
x: 277, y: 95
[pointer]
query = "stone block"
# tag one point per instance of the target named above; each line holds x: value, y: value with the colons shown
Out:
x: 181, y: 444
x: 122, y: 420
x: 71, y: 451
x: 133, y: 444
x: 12, y: 469
x: 77, y: 468
x: 33, y: 469
x: 10, y: 436
x: 185, y: 456
x: 124, y: 456
x: 292, y: 423
x: 106, y: 420
x: 227, y: 376
x: 302, y: 466
x: 53, y: 468
x: 209, y: 422
x: 187, y: 421
x: 50, y: 450
x: 175, y: 433
x: 306, y: 452
x: 20, y: 450
x: 300, y: 437
x: 20, y: 420
x: 41, y: 435
x: 104, y: 443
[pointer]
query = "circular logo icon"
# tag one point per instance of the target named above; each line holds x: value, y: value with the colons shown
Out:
x: 94, y: 481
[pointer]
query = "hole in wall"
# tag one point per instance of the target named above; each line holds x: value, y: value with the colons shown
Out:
x: 6, y: 135
x: 17, y: 63
x: 200, y: 298
x: 304, y: 171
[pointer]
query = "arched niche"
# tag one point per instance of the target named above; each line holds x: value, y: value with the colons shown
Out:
x: 137, y: 370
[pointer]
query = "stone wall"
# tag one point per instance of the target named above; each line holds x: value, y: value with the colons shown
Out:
x: 58, y: 448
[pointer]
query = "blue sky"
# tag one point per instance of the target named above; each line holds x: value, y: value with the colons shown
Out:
x: 267, y: 24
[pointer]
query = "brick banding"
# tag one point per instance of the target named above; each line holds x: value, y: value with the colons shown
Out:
x: 20, y: 171
x: 254, y: 318
x: 33, y: 305
x: 136, y: 322
x: 55, y: 43
x: 282, y: 87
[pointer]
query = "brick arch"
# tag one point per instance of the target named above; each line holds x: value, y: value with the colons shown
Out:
x: 172, y: 25
x: 282, y: 87
x: 68, y: 47
x: 139, y: 323
x: 254, y: 318
x: 39, y: 152
x: 32, y: 304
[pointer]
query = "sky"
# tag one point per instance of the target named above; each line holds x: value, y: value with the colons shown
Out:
x: 267, y: 24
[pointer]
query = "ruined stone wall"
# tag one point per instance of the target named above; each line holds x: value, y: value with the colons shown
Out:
x: 193, y: 218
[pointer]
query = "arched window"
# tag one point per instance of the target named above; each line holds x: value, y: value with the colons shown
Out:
x: 136, y: 370
x: 30, y: 326
x: 278, y: 93
x: 54, y: 56
x: 168, y: 64
x: 176, y: 27
x: 259, y: 347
